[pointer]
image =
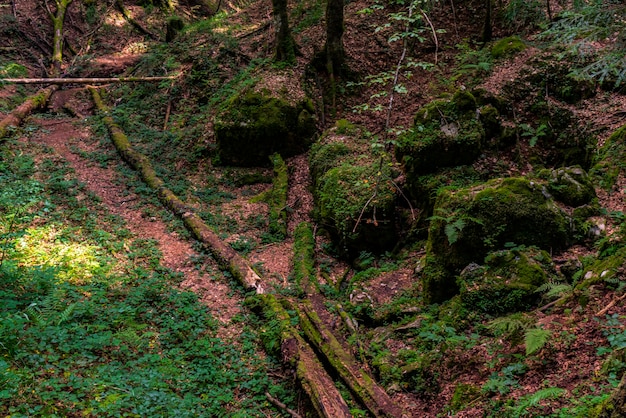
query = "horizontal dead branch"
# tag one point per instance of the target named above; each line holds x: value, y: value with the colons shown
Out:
x: 96, y: 80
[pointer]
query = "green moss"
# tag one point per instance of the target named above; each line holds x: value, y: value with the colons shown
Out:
x: 469, y: 223
x: 344, y: 127
x: 507, y: 47
x: 507, y: 282
x: 303, y: 271
x: 254, y: 126
x: 611, y: 159
x: 464, y: 394
x: 353, y: 192
x: 277, y: 199
x: 571, y: 185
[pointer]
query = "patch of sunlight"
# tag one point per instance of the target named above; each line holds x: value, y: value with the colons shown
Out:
x: 45, y: 246
x: 115, y: 19
x: 135, y: 48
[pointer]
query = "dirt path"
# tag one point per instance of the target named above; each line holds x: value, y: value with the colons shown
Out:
x: 66, y: 134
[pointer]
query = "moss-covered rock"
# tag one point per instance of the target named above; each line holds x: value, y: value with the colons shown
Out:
x: 611, y: 159
x: 354, y: 195
x: 254, y: 126
x: 445, y: 134
x: 471, y: 222
x: 570, y: 185
x: 507, y: 47
x: 464, y: 394
x: 506, y: 282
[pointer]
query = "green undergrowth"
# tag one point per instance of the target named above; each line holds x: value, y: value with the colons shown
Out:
x: 91, y: 323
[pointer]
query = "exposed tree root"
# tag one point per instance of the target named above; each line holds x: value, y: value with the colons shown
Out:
x: 34, y: 102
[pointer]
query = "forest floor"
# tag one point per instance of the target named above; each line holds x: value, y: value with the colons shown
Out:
x: 568, y: 363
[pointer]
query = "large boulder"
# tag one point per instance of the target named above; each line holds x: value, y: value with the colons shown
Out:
x: 471, y: 222
x: 254, y: 126
x: 353, y: 190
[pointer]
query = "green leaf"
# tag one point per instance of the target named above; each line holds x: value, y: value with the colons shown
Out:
x: 536, y: 339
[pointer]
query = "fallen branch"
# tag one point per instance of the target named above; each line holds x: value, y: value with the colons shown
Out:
x: 314, y: 379
x: 367, y: 391
x: 282, y: 406
x: 610, y: 305
x: 95, y: 80
x: 37, y: 101
x: 226, y: 257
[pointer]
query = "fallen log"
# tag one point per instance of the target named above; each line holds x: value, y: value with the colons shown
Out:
x: 34, y: 102
x: 314, y: 379
x: 94, y: 80
x: 226, y: 257
x: 367, y: 391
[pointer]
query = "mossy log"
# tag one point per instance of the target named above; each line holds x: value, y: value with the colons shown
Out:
x: 278, y: 198
x: 310, y: 372
x: 224, y: 254
x: 615, y: 406
x: 134, y: 23
x: 367, y: 391
x: 37, y: 101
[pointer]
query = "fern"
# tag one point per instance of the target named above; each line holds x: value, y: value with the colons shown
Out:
x: 554, y: 290
x: 535, y: 339
x: 533, y: 400
x: 453, y: 229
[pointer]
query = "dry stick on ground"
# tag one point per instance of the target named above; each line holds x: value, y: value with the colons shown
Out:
x: 227, y: 257
x: 37, y: 101
x: 282, y: 406
x: 95, y: 80
x: 375, y: 399
x: 610, y: 305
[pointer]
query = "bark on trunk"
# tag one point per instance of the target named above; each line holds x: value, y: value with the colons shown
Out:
x: 335, y: 53
x: 375, y: 399
x: 57, y: 39
x: 227, y: 257
x: 285, y: 45
x: 31, y: 104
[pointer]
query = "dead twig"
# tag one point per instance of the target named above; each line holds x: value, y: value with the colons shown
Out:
x: 610, y: 305
x: 282, y: 406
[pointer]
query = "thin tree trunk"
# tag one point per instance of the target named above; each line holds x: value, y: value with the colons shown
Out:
x: 335, y: 52
x: 126, y: 14
x: 58, y: 19
x: 37, y: 101
x: 487, y: 28
x: 285, y: 45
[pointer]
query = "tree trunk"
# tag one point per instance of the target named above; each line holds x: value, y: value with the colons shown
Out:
x: 32, y: 103
x: 285, y: 45
x: 335, y: 53
x: 487, y: 28
x: 314, y: 379
x: 57, y: 40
